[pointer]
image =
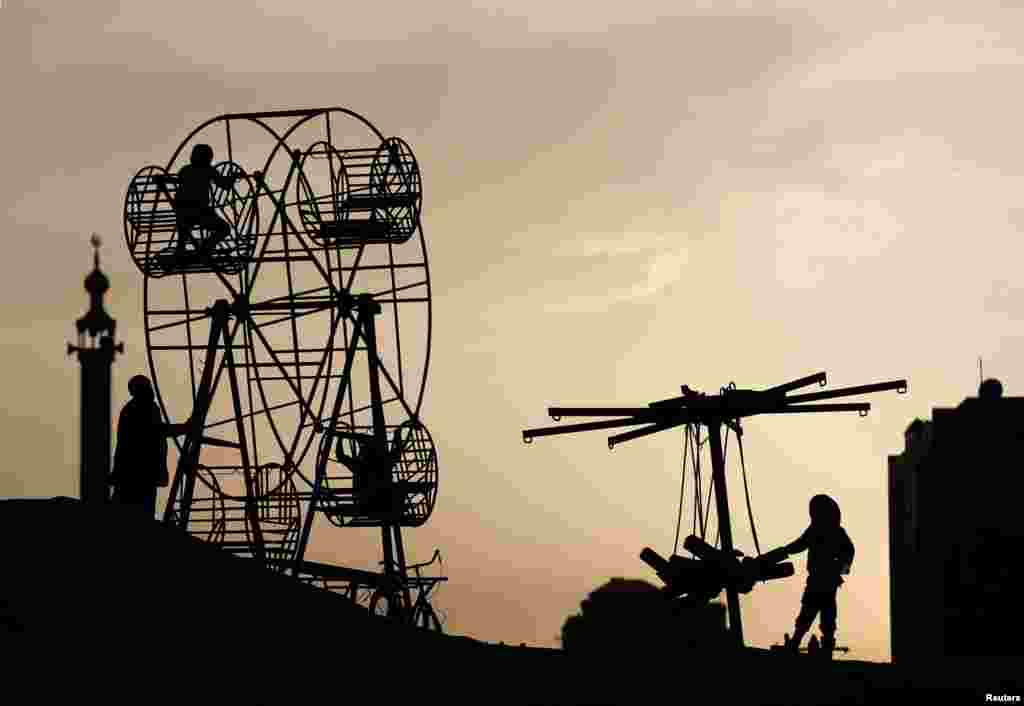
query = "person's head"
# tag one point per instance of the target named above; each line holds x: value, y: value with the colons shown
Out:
x: 991, y: 389
x: 202, y: 155
x: 824, y: 511
x: 140, y: 388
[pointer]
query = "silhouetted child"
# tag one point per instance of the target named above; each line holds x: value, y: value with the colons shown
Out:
x: 192, y: 201
x: 372, y: 471
x: 829, y: 557
x: 140, y: 459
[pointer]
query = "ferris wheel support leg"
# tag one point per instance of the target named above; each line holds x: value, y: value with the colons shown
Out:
x: 725, y: 528
x: 400, y: 551
x: 368, y: 309
x: 251, y: 509
x: 189, y: 459
x: 321, y: 465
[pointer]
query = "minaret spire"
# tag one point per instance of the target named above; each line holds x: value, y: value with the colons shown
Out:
x: 96, y: 351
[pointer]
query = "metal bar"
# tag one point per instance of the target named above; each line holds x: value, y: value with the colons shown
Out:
x: 677, y: 402
x: 404, y: 300
x: 724, y: 525
x: 558, y: 412
x: 286, y: 378
x: 213, y: 441
x: 862, y: 407
x: 303, y: 363
x: 189, y: 458
x: 294, y: 304
x: 280, y: 366
x: 357, y: 267
x: 798, y: 383
x: 395, y: 289
x: 251, y: 510
x: 321, y: 465
x: 646, y: 431
x: 316, y: 383
x: 398, y: 345
x: 898, y: 385
x: 204, y: 313
x: 367, y: 312
x: 403, y: 574
x: 529, y: 434
x: 297, y: 113
x: 355, y: 410
x: 289, y: 317
x: 189, y: 348
x: 183, y: 322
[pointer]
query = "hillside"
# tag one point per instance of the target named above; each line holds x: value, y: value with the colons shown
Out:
x: 101, y: 589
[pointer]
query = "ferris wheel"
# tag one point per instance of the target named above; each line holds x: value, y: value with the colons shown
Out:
x: 288, y: 309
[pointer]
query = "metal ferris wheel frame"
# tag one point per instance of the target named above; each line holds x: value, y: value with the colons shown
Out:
x: 371, y: 208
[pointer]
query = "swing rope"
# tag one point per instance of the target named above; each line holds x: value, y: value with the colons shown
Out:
x: 746, y: 489
x: 692, y: 450
x: 682, y: 487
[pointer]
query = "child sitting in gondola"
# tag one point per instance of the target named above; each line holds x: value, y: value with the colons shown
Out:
x: 372, y: 471
x: 192, y: 202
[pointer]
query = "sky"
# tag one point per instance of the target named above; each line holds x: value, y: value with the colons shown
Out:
x: 618, y: 200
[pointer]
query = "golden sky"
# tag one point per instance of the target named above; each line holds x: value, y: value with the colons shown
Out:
x: 618, y: 199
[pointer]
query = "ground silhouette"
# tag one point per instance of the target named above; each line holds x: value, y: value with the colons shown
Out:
x: 98, y: 589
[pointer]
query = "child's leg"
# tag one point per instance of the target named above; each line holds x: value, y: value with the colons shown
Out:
x: 828, y: 619
x: 218, y: 230
x: 809, y: 606
x: 185, y: 223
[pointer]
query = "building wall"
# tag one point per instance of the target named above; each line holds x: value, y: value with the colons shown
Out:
x: 955, y: 529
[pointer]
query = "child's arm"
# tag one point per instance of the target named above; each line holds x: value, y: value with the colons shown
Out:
x: 800, y: 544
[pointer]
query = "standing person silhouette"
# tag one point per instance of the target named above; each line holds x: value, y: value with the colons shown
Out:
x: 829, y: 556
x: 140, y: 459
x: 192, y: 201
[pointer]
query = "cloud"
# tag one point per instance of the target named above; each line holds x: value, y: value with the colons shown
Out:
x: 937, y: 46
x: 659, y: 260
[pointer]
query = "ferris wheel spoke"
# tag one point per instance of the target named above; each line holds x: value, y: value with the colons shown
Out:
x: 284, y: 319
x: 395, y: 290
x: 313, y: 390
x: 361, y: 409
x: 247, y: 415
x: 280, y: 366
x: 354, y: 269
x: 180, y: 322
x: 391, y: 382
x: 398, y: 329
x: 287, y: 225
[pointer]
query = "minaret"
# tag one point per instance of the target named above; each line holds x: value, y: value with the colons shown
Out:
x: 96, y: 354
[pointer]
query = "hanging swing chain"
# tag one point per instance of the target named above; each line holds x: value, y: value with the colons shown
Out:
x: 698, y: 516
x: 682, y: 487
x: 691, y: 450
x: 746, y: 487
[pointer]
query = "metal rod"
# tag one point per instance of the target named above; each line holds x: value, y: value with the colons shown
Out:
x: 724, y: 525
x: 585, y: 426
x: 647, y: 431
x: 862, y: 407
x: 898, y: 385
x: 557, y: 412
x: 798, y: 383
x: 252, y: 515
x: 189, y: 458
